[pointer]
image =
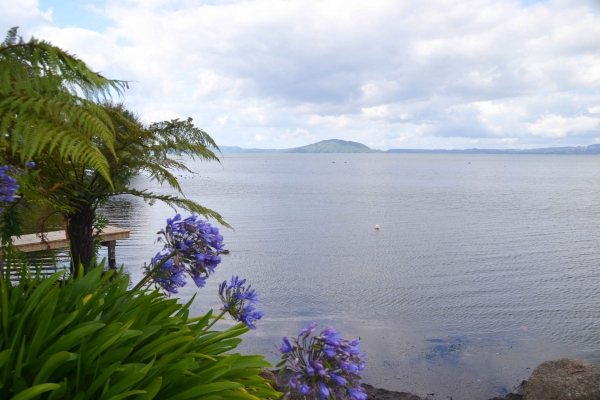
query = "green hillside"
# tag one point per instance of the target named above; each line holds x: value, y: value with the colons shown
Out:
x: 333, y: 146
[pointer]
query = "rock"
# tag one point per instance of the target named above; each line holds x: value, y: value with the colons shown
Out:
x: 510, y: 396
x: 564, y: 379
x: 268, y: 375
x: 517, y: 395
x: 282, y: 384
x: 382, y: 394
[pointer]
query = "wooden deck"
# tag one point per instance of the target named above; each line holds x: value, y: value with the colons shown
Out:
x: 58, y: 239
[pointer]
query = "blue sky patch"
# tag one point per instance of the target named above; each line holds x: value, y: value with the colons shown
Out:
x: 531, y: 2
x: 77, y: 14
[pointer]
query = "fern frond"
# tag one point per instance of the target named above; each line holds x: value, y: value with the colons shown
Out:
x: 177, y: 203
x: 11, y: 37
x: 43, y: 124
x: 47, y: 102
x: 39, y: 66
x: 82, y: 115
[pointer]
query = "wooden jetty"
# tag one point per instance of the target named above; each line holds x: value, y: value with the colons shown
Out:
x: 58, y: 240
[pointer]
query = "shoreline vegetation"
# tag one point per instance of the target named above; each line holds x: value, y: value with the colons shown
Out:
x: 349, y: 147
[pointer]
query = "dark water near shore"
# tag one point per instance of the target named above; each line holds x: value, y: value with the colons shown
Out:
x: 484, y: 265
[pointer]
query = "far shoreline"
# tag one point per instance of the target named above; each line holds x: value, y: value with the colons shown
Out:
x: 336, y: 146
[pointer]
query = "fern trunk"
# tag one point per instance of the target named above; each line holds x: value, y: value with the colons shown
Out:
x: 80, y: 228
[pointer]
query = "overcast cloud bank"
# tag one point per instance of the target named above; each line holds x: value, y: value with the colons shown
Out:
x: 389, y: 74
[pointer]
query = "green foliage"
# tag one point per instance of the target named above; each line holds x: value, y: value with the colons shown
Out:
x: 92, y: 338
x: 47, y: 103
x: 156, y: 151
x: 76, y: 188
x: 56, y: 111
x: 101, y: 223
x: 10, y: 224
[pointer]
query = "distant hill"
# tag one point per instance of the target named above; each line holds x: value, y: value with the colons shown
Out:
x: 592, y: 149
x: 333, y: 146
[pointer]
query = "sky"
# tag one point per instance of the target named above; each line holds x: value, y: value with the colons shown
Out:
x: 433, y: 74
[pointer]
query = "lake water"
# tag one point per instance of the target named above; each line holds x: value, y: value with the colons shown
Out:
x: 484, y: 266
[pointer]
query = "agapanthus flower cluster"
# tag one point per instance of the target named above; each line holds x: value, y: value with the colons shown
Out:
x: 8, y: 186
x: 325, y: 366
x: 240, y: 301
x: 192, y: 248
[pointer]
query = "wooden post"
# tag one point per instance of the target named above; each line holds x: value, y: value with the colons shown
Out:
x: 112, y: 259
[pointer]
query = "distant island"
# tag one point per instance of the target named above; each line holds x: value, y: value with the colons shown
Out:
x: 333, y: 146
x: 345, y: 146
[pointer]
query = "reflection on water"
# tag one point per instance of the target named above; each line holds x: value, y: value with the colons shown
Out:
x: 484, y: 265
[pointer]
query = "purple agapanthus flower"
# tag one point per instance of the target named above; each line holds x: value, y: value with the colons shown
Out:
x: 8, y: 186
x: 169, y: 276
x: 240, y: 301
x: 325, y: 366
x: 192, y: 246
x: 308, y: 330
x: 286, y: 347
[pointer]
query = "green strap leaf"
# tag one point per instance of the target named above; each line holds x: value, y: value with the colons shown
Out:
x: 73, y: 337
x: 127, y: 394
x: 5, y: 356
x: 200, y: 390
x: 53, y: 362
x: 35, y: 391
x: 151, y: 390
x: 101, y: 380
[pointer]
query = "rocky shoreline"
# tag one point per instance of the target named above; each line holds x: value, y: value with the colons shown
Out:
x: 280, y: 383
x: 382, y: 394
x: 551, y: 380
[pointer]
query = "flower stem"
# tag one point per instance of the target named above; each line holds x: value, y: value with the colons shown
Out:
x: 150, y: 274
x: 215, y: 321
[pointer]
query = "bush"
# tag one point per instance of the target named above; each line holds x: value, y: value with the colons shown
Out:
x: 91, y: 338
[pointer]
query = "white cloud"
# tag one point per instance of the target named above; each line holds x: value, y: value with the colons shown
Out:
x: 411, y: 73
x: 330, y: 121
x: 207, y: 82
x: 594, y: 109
x: 376, y: 112
x: 22, y: 13
x: 556, y: 126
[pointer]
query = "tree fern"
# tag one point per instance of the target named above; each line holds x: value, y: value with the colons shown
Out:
x: 47, y: 101
x: 55, y: 110
x: 76, y: 187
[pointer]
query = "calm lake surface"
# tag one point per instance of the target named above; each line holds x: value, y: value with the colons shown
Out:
x: 484, y: 266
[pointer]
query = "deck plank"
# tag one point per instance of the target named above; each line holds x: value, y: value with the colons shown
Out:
x: 58, y: 239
